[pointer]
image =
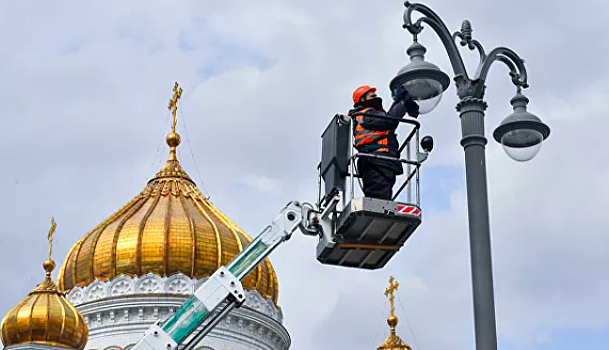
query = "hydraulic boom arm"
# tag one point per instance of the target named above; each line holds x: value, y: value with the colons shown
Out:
x: 223, y: 285
x: 364, y: 234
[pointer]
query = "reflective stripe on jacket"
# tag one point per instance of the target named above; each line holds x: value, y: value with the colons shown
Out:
x: 377, y: 133
x: 369, y: 140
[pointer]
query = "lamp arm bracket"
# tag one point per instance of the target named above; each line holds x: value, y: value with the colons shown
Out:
x: 434, y: 21
x: 466, y: 38
x: 515, y: 64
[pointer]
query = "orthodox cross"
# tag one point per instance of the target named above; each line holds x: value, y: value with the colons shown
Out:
x: 50, y: 236
x: 389, y: 292
x: 173, y: 104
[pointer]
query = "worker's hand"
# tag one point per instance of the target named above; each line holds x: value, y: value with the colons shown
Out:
x: 400, y: 94
x: 412, y: 108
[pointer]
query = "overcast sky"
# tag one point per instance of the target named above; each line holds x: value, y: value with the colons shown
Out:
x: 84, y: 88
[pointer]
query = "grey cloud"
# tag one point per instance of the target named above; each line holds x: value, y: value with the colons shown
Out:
x: 83, y: 94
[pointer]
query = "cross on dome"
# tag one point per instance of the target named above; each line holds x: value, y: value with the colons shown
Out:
x: 173, y: 139
x: 393, y: 341
x: 173, y: 104
x: 389, y: 292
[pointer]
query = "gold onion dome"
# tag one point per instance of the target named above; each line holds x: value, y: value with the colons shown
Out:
x: 393, y: 341
x: 45, y: 317
x: 169, y: 228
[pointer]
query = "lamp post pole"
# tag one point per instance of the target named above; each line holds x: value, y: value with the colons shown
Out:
x: 473, y: 141
x: 521, y: 130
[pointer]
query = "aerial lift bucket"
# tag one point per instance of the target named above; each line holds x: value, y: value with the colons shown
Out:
x: 369, y: 232
x: 365, y: 232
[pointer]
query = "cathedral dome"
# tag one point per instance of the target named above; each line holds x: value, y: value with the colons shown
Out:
x: 169, y: 228
x: 45, y: 317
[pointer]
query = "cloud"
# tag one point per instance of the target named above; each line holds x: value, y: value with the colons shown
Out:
x: 83, y: 96
x: 261, y: 184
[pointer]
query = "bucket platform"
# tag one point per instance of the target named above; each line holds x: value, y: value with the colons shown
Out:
x: 369, y: 232
x: 362, y: 232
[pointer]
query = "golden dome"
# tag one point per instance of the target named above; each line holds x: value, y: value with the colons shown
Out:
x: 393, y: 341
x: 169, y: 228
x: 45, y: 317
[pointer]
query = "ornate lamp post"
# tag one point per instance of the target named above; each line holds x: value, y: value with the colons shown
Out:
x: 521, y: 135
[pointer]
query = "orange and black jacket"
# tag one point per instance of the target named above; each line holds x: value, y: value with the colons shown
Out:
x: 373, y: 132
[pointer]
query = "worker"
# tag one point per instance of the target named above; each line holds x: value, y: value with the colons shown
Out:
x: 374, y: 134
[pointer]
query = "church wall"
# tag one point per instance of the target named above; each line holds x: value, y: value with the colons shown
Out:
x: 119, y: 322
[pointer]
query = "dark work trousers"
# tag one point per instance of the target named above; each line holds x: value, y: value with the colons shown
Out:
x: 378, y: 177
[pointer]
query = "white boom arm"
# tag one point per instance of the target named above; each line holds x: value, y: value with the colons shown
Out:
x: 224, y: 285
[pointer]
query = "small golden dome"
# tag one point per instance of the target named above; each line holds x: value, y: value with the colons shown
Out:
x: 169, y: 228
x: 45, y: 317
x: 393, y: 341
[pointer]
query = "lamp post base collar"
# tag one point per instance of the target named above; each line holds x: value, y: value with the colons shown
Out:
x: 471, y: 140
x: 471, y: 104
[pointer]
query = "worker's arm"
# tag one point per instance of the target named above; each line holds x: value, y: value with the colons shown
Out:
x: 398, y: 109
x: 378, y: 121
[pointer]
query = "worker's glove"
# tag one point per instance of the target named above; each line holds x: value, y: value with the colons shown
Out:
x: 412, y: 108
x: 400, y: 94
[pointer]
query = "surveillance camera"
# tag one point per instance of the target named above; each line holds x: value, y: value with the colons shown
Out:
x: 427, y: 143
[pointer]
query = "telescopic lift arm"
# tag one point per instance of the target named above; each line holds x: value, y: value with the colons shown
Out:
x: 225, y: 284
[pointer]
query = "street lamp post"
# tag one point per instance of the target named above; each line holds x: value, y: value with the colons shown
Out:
x: 521, y: 135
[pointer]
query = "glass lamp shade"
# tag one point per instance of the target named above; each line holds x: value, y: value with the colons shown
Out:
x: 424, y: 81
x: 522, y: 144
x: 428, y: 105
x: 521, y: 133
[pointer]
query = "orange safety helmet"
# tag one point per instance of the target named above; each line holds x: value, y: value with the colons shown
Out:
x: 361, y: 91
